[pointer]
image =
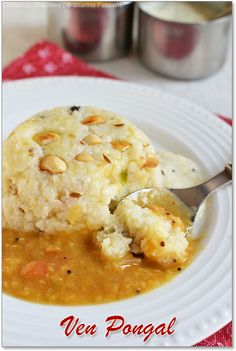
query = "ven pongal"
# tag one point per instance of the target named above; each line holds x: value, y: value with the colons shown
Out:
x: 61, y: 244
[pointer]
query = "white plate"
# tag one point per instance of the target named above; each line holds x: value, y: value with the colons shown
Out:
x: 200, y: 297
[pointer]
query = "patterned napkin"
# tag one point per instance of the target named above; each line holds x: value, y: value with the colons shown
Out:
x: 47, y: 59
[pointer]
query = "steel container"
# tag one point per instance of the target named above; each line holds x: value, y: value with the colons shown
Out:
x: 95, y: 31
x: 182, y: 50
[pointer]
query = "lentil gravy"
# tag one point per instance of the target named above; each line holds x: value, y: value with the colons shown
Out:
x: 67, y: 269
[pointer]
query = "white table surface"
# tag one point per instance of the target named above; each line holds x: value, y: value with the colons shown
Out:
x: 24, y: 25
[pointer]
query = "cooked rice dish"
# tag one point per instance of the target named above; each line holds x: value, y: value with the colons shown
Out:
x: 63, y: 167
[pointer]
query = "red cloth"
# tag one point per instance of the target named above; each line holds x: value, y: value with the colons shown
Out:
x: 47, y: 59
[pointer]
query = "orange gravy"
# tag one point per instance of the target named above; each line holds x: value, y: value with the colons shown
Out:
x: 67, y: 269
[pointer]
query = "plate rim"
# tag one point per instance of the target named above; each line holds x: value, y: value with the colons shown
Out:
x: 8, y: 83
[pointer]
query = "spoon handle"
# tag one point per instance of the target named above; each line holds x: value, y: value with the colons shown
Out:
x: 193, y: 197
x: 228, y: 169
x: 222, y: 178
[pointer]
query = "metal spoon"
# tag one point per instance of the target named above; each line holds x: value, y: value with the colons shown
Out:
x: 190, y: 197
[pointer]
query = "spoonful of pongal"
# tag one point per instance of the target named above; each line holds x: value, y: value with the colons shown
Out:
x: 158, y: 220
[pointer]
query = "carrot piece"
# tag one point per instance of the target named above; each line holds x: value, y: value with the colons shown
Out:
x: 52, y: 249
x: 35, y: 269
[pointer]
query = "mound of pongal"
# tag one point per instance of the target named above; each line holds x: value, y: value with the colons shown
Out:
x: 62, y: 167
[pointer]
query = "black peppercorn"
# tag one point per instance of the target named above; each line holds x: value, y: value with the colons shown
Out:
x: 74, y: 108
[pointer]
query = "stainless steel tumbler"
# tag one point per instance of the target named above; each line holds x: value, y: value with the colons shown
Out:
x: 182, y: 50
x: 95, y: 31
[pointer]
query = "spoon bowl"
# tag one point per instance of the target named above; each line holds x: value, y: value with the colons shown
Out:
x: 190, y: 198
